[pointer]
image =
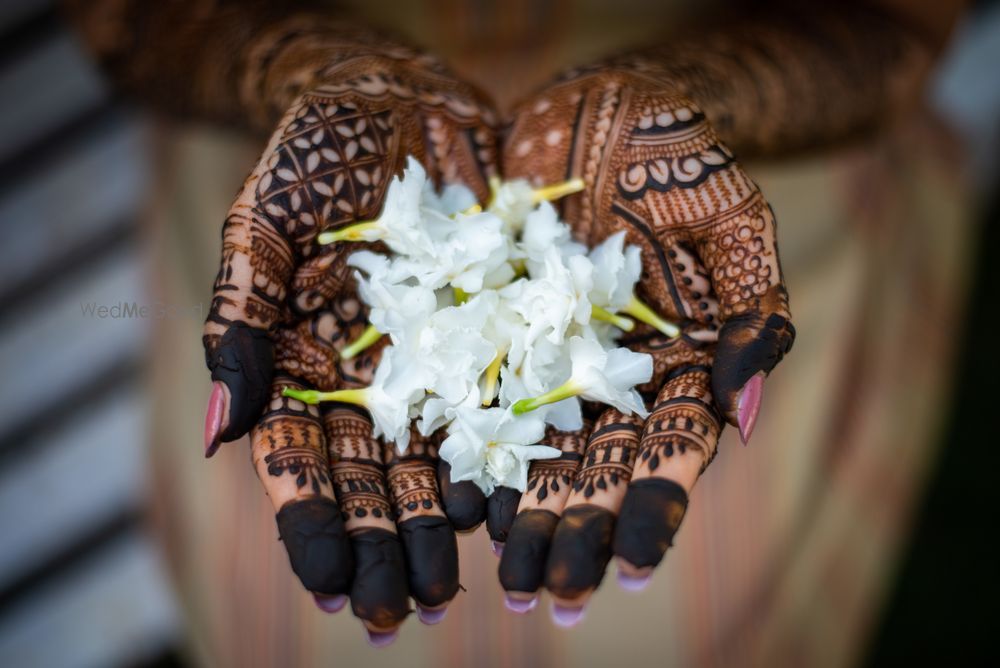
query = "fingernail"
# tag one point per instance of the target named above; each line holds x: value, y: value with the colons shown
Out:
x: 330, y: 604
x: 520, y: 606
x: 567, y: 617
x: 213, y: 418
x: 431, y: 617
x: 632, y: 583
x: 749, y: 405
x: 381, y: 638
x: 497, y: 547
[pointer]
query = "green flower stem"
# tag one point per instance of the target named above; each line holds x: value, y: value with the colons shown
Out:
x: 619, y: 321
x: 564, y: 391
x: 643, y: 313
x: 461, y: 296
x: 492, y: 373
x: 349, y: 233
x: 358, y: 397
x: 557, y: 190
x: 367, y: 339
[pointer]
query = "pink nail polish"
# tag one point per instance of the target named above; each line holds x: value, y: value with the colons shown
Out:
x: 748, y: 405
x: 380, y: 638
x: 431, y: 617
x: 330, y: 604
x: 519, y: 606
x: 632, y: 583
x: 497, y: 548
x: 567, y: 617
x: 213, y: 418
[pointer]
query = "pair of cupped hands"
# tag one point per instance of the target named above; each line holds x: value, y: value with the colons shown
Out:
x: 366, y: 524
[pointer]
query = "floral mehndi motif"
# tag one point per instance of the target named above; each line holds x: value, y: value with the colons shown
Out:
x: 655, y: 170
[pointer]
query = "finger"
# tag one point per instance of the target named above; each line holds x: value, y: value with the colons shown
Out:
x: 739, y: 248
x: 428, y: 539
x: 581, y: 545
x: 289, y: 454
x: 501, y: 507
x: 464, y: 503
x: 249, y: 293
x: 522, y: 563
x: 379, y: 592
x: 678, y: 442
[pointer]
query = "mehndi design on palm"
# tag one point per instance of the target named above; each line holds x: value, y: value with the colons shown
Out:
x: 284, y: 306
x: 654, y: 168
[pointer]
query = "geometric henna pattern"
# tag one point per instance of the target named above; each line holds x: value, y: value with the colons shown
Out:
x: 609, y: 456
x: 413, y: 478
x: 288, y: 440
x: 684, y: 418
x: 554, y: 477
x: 357, y: 469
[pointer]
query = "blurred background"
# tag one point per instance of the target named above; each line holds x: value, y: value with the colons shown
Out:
x: 85, y: 578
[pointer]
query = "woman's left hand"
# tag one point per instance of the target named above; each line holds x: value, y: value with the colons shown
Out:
x: 654, y: 167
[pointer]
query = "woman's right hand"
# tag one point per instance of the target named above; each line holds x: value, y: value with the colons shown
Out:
x: 357, y: 521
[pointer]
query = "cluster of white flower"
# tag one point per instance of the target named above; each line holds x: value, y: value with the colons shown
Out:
x: 499, y: 323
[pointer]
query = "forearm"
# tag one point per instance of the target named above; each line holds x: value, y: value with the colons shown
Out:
x: 238, y: 61
x: 787, y: 80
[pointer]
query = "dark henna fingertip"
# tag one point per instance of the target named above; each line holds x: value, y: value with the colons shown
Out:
x: 501, y: 508
x: 649, y: 518
x: 431, y: 559
x: 463, y: 502
x: 747, y: 347
x: 522, y: 566
x: 581, y: 549
x: 314, y: 536
x: 380, y: 594
x: 244, y: 361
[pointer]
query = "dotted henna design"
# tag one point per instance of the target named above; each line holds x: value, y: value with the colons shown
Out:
x: 357, y: 469
x: 412, y: 477
x: 289, y: 441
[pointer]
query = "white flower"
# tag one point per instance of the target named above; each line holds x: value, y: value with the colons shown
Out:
x: 492, y: 447
x: 543, y: 230
x: 454, y: 198
x: 554, y: 300
x: 608, y: 376
x: 402, y: 224
x: 616, y: 271
x: 512, y: 201
x: 389, y: 397
x: 397, y: 309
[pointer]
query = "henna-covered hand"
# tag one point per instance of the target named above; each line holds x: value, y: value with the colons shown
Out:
x: 654, y: 167
x: 356, y: 519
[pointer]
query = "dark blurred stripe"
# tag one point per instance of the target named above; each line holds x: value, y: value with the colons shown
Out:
x: 99, y: 538
x: 31, y: 161
x: 20, y: 38
x: 65, y: 405
x: 66, y: 267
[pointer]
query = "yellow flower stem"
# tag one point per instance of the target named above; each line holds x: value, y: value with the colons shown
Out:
x: 494, y: 184
x: 358, y: 397
x: 557, y: 190
x: 492, y: 374
x: 643, y: 313
x: 474, y: 209
x: 519, y: 267
x: 564, y: 391
x: 461, y: 296
x: 363, y: 342
x: 619, y: 321
x: 349, y: 233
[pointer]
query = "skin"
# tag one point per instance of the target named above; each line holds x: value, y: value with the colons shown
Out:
x: 648, y: 132
x: 641, y: 131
